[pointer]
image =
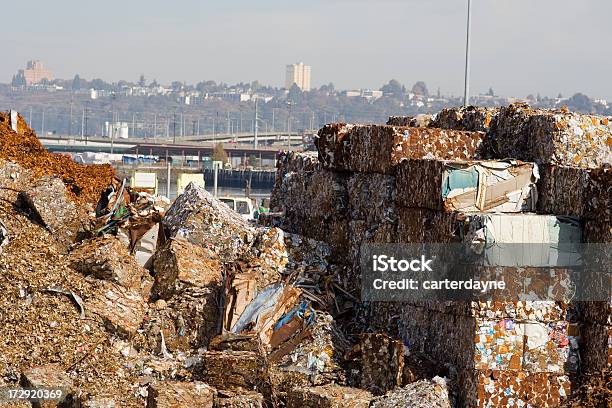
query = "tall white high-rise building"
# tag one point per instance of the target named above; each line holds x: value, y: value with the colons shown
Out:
x: 298, y: 74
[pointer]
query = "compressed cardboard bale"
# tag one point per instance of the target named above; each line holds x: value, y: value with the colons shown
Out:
x: 287, y: 163
x: 419, y: 366
x: 599, y: 312
x: 498, y: 345
x: 175, y: 394
x: 239, y: 400
x: 294, y: 170
x: 203, y: 220
x: 179, y: 264
x: 193, y: 317
x: 327, y: 194
x: 424, y: 225
x: 574, y: 191
x: 379, y: 148
x: 51, y: 377
x: 598, y: 230
x: 596, y: 352
x: 426, y: 393
x: 313, y: 201
x: 495, y: 186
x: 550, y: 347
x: 284, y: 379
x: 381, y: 317
x: 318, y: 352
x: 372, y: 198
x: 382, y: 359
x: 328, y: 396
x: 497, y: 388
x: 534, y: 311
x: 502, y: 344
x: 307, y: 255
x: 444, y: 337
x: 521, y: 310
x: 235, y: 370
x: 552, y: 136
x: 107, y: 258
x: 122, y: 310
x: 362, y: 233
x: 50, y: 203
x: 470, y: 118
x: 591, y: 391
x: 422, y: 120
x: 524, y: 287
x: 14, y: 176
x: 399, y: 120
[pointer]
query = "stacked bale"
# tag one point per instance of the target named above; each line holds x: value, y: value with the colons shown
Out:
x: 429, y: 185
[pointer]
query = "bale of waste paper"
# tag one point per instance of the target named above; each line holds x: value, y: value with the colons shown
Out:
x: 107, y: 258
x: 50, y: 203
x: 379, y: 148
x: 552, y: 136
x: 426, y: 393
x: 328, y: 396
x: 469, y: 118
x: 203, y: 220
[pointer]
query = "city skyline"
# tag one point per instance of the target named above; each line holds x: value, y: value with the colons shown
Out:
x: 355, y: 44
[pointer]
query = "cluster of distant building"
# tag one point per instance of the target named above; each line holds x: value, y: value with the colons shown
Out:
x: 34, y: 73
x: 36, y: 76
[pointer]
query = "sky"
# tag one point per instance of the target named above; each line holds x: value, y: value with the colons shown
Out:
x: 519, y: 47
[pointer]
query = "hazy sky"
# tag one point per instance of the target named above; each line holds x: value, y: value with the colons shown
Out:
x: 519, y: 46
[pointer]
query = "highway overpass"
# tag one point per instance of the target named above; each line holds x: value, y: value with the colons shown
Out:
x: 163, y: 148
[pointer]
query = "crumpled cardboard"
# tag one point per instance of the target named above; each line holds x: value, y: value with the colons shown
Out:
x: 495, y: 186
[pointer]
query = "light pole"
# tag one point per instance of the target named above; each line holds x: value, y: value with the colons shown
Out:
x: 466, y: 93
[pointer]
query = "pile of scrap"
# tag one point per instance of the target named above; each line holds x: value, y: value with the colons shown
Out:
x: 145, y: 303
x: 19, y: 144
x: 67, y: 342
